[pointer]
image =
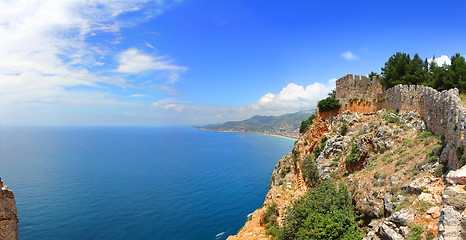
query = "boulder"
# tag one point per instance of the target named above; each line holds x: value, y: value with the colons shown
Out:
x: 401, y: 218
x: 455, y: 196
x: 449, y: 224
x: 389, y: 231
x: 457, y: 177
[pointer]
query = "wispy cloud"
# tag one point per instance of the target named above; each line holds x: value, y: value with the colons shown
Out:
x: 349, y: 56
x: 134, y: 61
x: 46, y: 57
x: 137, y: 95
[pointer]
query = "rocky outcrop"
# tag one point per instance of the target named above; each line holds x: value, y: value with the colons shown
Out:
x: 452, y: 224
x: 8, y: 214
x: 393, y: 168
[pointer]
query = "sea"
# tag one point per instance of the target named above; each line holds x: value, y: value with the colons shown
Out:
x: 135, y: 182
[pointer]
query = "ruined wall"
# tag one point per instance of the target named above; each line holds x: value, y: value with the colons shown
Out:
x: 357, y: 87
x: 443, y: 112
x: 8, y: 214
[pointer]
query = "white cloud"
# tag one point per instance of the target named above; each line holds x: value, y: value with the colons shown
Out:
x: 133, y: 61
x: 444, y: 59
x: 349, y: 56
x: 291, y: 98
x: 45, y: 52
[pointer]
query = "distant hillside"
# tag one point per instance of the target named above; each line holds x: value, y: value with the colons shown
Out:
x: 285, y: 125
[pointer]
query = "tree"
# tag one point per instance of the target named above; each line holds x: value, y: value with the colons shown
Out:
x: 325, y: 212
x: 395, y: 70
x: 457, y: 72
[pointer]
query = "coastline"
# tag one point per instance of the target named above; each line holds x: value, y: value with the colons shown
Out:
x: 268, y: 134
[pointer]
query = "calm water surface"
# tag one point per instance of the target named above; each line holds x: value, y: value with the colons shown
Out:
x: 135, y: 182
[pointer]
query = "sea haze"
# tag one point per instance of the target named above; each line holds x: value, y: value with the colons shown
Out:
x: 135, y: 182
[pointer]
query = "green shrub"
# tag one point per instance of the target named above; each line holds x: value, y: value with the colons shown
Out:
x: 424, y: 134
x: 317, y: 151
x: 325, y: 212
x: 392, y: 119
x: 323, y: 140
x: 328, y: 104
x: 441, y: 170
x: 353, y: 157
x: 269, y: 219
x: 284, y: 171
x: 295, y: 159
x: 415, y: 233
x: 309, y: 170
x: 430, y: 235
x: 401, y: 205
x: 459, y: 155
x: 343, y: 129
x: 305, y: 124
x: 455, y: 128
x: 423, y: 206
x: 408, y: 143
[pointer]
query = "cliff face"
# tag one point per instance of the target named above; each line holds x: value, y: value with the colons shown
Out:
x: 8, y: 214
x: 395, y: 169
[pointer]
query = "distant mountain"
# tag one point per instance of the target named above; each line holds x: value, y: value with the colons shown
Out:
x: 286, y: 125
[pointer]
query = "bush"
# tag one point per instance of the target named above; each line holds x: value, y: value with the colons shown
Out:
x: 343, y: 129
x: 430, y: 235
x: 441, y: 170
x: 309, y: 170
x: 459, y: 155
x: 324, y: 213
x: 305, y: 124
x: 415, y: 233
x: 328, y: 104
x: 424, y: 134
x: 354, y: 156
x: 269, y: 219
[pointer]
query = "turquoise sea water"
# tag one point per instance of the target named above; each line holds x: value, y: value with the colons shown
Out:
x: 135, y: 182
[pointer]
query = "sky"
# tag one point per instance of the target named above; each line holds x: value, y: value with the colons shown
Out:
x: 190, y: 62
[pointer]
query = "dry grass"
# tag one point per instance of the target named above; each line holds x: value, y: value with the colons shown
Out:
x: 463, y: 98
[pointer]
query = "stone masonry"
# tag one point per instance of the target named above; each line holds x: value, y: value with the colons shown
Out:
x: 443, y: 111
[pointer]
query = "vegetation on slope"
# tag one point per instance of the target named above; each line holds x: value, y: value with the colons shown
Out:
x: 326, y: 212
x: 283, y: 125
x: 330, y: 103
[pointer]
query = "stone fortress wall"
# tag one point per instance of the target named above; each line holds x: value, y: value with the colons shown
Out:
x: 443, y: 112
x: 357, y: 87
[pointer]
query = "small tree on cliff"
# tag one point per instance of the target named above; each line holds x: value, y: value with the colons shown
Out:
x: 328, y: 104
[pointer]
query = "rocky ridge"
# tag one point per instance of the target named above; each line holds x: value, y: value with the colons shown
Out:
x: 8, y: 214
x: 391, y: 165
x: 405, y: 167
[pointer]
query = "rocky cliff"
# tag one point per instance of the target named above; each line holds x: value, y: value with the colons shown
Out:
x: 8, y: 214
x: 398, y: 151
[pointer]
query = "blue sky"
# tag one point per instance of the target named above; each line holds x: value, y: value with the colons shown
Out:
x: 189, y: 62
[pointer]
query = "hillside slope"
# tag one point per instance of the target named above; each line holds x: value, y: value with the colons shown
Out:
x: 285, y: 125
x: 407, y: 182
